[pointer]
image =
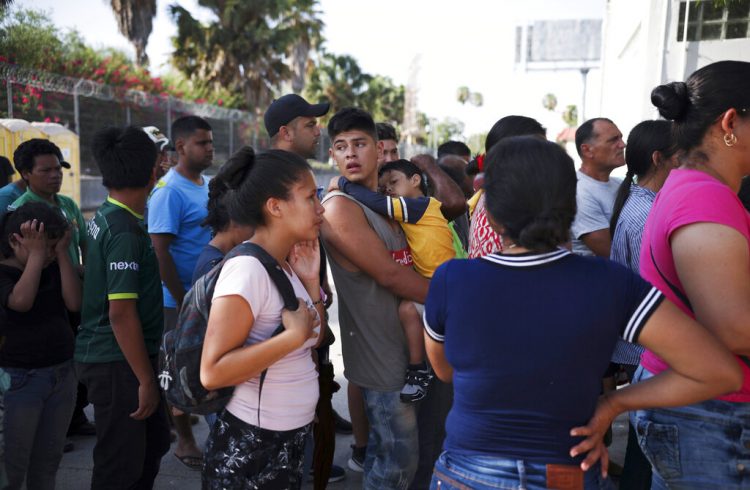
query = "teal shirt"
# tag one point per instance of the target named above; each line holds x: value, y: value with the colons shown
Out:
x: 8, y: 196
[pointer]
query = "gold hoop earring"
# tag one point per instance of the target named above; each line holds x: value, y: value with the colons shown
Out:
x: 730, y: 139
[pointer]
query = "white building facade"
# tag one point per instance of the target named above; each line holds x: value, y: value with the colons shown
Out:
x: 645, y: 44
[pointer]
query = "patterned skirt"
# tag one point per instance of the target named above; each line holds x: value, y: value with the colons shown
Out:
x: 242, y: 456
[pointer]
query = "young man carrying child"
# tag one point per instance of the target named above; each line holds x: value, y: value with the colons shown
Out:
x: 117, y: 347
x: 431, y: 243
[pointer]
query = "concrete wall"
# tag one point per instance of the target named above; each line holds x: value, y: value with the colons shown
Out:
x: 641, y: 51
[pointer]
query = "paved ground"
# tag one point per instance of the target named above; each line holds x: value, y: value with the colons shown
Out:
x: 75, y: 469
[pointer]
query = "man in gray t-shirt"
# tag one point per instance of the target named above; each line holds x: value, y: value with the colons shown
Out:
x: 602, y: 149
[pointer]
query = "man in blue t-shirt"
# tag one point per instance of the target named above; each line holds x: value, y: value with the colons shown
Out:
x: 176, y: 209
x: 9, y: 190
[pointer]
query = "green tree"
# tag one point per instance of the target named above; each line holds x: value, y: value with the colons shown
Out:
x: 449, y: 128
x: 135, y: 21
x: 337, y: 79
x: 549, y: 102
x: 247, y: 46
x: 570, y: 116
x: 464, y: 95
x: 384, y: 100
x: 341, y: 81
x: 476, y: 143
x: 29, y: 38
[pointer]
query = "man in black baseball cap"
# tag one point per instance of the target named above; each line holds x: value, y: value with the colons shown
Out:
x: 291, y: 124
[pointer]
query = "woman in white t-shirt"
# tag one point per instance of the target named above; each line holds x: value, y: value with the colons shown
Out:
x: 259, y: 442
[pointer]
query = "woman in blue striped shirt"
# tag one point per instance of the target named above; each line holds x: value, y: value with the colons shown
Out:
x: 650, y: 156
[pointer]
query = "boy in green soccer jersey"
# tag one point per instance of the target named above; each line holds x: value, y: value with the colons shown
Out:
x: 117, y: 347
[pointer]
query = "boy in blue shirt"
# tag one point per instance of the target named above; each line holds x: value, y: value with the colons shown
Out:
x: 176, y: 209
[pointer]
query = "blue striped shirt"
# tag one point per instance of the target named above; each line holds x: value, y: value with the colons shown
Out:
x: 626, y: 250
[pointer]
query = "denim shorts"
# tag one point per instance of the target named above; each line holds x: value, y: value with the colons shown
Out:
x: 460, y: 472
x: 705, y: 445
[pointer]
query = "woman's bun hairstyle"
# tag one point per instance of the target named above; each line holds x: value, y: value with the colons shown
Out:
x: 695, y: 105
x: 530, y: 185
x: 671, y: 100
x: 229, y: 176
x: 252, y: 179
x: 234, y: 171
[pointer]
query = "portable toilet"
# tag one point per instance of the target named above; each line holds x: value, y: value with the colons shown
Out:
x: 14, y: 132
x: 68, y: 142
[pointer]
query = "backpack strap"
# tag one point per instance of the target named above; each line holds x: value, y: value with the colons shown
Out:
x: 277, y: 274
x: 683, y: 297
x: 280, y: 280
x: 680, y: 295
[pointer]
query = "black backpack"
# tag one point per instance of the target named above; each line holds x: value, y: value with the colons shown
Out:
x: 181, y: 347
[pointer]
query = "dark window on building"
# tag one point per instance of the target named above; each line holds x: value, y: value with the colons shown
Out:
x: 708, y: 21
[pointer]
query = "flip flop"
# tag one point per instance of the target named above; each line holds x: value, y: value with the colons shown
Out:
x: 192, y: 462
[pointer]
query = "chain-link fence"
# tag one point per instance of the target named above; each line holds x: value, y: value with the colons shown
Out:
x: 85, y: 106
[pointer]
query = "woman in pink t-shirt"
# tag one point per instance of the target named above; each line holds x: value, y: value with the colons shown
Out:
x: 696, y: 250
x: 258, y: 442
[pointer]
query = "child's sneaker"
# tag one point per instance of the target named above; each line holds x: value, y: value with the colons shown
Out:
x: 357, y: 461
x: 417, y: 380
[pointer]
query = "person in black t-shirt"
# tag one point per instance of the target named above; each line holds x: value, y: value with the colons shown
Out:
x: 38, y: 286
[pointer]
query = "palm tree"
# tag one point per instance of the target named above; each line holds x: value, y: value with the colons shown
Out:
x: 337, y: 79
x: 135, y: 21
x: 248, y: 46
x: 309, y: 31
x: 341, y: 81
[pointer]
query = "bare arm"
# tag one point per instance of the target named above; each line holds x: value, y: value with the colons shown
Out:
x: 713, y: 264
x: 82, y: 244
x: 447, y: 191
x: 71, y: 280
x: 226, y: 361
x: 126, y: 325
x: 700, y: 368
x: 436, y: 355
x: 599, y: 242
x: 353, y: 242
x: 167, y: 268
x: 33, y: 239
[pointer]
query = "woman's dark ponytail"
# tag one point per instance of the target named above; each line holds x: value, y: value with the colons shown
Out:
x: 272, y: 173
x: 230, y: 175
x: 644, y: 139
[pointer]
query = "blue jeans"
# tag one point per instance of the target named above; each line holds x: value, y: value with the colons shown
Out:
x: 705, y: 445
x: 38, y: 408
x: 392, y: 448
x: 487, y: 472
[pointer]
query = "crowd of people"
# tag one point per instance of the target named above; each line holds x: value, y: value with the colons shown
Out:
x: 488, y: 307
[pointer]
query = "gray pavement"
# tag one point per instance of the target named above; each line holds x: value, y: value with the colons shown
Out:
x: 75, y: 469
x: 76, y: 466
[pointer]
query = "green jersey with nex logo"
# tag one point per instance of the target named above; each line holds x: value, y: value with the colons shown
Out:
x: 120, y: 265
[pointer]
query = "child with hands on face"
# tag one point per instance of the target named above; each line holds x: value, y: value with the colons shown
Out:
x: 38, y: 286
